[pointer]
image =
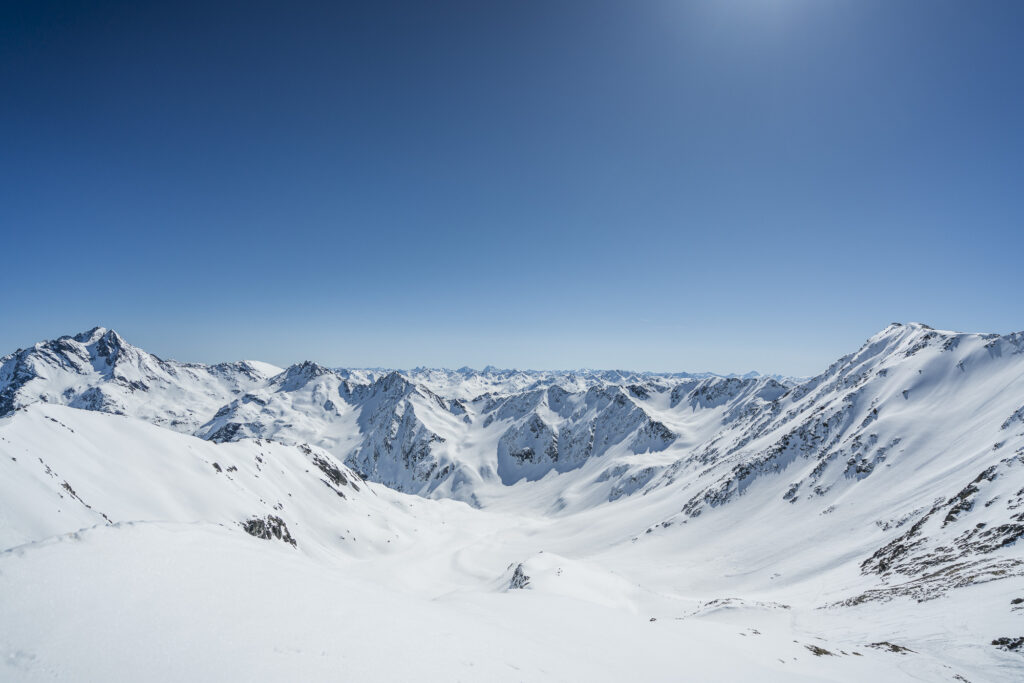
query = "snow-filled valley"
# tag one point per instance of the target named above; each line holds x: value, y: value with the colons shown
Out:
x: 166, y: 521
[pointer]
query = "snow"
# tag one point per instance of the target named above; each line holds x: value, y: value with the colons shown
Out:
x: 265, y: 369
x: 788, y: 531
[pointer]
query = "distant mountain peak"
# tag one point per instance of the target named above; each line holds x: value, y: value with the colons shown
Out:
x: 93, y: 335
x: 301, y: 373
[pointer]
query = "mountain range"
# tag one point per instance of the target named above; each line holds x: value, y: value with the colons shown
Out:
x: 861, y: 522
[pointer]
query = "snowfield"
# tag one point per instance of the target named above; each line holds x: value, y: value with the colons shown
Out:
x: 171, y: 521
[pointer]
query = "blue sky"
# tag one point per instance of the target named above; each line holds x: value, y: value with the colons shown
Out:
x: 662, y: 185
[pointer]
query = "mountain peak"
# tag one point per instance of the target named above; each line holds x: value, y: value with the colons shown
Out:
x: 394, y: 381
x: 306, y: 370
x: 93, y: 335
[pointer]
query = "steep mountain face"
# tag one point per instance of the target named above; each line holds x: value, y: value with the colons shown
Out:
x: 376, y: 426
x: 555, y: 430
x: 919, y: 430
x: 907, y: 387
x: 399, y: 448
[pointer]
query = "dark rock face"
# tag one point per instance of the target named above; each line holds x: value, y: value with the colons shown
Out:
x: 234, y: 431
x: 886, y: 646
x: 947, y: 547
x: 590, y: 423
x: 909, y: 553
x: 15, y: 372
x: 397, y: 448
x: 519, y: 578
x: 300, y: 374
x: 532, y: 442
x: 1009, y: 644
x: 331, y: 470
x: 268, y: 528
x: 95, y: 398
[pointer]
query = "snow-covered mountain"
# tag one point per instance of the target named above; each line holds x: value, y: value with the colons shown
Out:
x: 98, y: 370
x: 863, y: 522
x: 438, y: 432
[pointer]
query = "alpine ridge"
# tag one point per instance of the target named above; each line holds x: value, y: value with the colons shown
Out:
x: 862, y: 522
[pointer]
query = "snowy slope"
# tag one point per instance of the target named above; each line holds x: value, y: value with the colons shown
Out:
x: 862, y: 523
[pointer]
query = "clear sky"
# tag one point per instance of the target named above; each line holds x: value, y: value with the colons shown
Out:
x: 665, y: 185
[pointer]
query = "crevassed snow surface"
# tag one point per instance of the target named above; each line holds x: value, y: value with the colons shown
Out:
x: 164, y: 521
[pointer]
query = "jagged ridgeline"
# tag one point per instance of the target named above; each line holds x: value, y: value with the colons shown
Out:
x: 447, y: 433
x: 423, y: 431
x: 908, y: 392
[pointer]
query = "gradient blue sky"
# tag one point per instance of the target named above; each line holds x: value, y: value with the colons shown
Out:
x: 668, y: 185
